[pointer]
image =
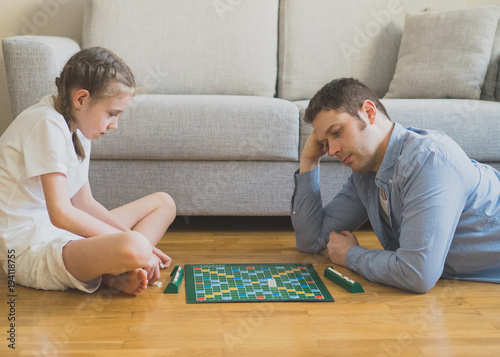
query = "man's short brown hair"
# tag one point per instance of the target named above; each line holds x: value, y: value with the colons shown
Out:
x: 345, y: 95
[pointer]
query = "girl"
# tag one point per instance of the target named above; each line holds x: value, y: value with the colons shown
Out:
x: 60, y: 236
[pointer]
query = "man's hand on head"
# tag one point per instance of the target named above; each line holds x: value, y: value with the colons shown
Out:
x: 312, y: 153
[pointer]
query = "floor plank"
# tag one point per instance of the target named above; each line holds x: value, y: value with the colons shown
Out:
x: 456, y: 318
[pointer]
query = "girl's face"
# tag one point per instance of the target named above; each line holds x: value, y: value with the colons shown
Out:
x: 95, y: 119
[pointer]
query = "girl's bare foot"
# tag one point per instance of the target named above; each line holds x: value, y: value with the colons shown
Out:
x: 132, y: 283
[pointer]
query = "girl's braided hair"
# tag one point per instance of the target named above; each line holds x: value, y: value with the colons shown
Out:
x: 94, y: 69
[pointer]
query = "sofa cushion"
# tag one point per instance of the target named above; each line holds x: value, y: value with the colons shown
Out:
x: 203, y: 127
x: 338, y: 38
x: 491, y: 82
x: 445, y: 54
x: 473, y: 124
x: 494, y: 77
x: 190, y: 46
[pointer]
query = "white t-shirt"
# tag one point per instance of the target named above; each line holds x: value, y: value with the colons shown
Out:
x: 37, y: 142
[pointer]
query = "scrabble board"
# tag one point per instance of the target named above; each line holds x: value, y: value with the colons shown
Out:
x: 254, y: 282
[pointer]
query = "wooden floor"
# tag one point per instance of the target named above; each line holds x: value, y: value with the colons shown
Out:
x: 453, y: 319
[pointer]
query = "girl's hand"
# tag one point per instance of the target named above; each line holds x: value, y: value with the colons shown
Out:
x: 165, y: 259
x: 158, y: 261
x: 153, y: 269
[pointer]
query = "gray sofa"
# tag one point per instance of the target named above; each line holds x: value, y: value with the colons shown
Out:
x: 223, y: 86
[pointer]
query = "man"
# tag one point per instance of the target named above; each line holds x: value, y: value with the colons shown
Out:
x: 435, y: 211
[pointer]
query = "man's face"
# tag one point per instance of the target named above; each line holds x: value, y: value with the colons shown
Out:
x: 352, y: 140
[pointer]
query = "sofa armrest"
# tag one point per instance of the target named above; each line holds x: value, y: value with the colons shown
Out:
x: 31, y: 64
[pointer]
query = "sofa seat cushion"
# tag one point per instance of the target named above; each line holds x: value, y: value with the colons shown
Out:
x: 190, y: 46
x: 473, y: 124
x: 197, y: 127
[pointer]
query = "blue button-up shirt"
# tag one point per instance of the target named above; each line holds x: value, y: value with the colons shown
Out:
x: 444, y: 212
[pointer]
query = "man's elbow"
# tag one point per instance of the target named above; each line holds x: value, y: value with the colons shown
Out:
x: 306, y: 250
x: 422, y: 283
x: 421, y: 288
x: 307, y: 247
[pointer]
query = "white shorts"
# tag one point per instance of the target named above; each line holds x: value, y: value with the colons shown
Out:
x: 41, y: 266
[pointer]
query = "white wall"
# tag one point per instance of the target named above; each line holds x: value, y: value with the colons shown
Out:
x: 56, y: 18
